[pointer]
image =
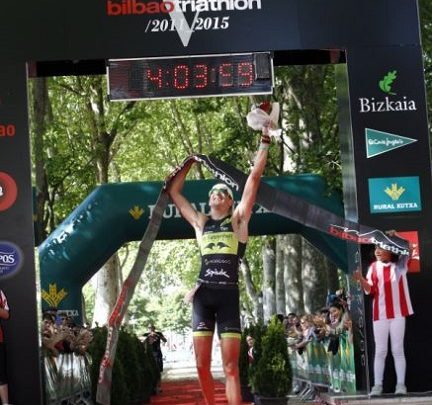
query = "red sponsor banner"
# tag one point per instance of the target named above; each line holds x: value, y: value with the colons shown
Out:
x: 8, y: 191
x: 7, y: 130
x: 412, y: 237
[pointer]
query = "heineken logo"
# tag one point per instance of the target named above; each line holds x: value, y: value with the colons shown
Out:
x: 388, y: 103
x: 379, y: 142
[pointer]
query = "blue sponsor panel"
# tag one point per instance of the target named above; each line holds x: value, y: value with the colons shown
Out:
x: 11, y: 258
x: 394, y: 194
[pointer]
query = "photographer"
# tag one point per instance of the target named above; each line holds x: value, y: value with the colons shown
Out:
x: 154, y: 338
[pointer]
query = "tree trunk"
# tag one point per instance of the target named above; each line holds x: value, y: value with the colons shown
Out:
x: 269, y: 279
x: 314, y: 278
x: 107, y: 290
x: 280, y: 282
x: 108, y: 277
x: 332, y: 276
x: 254, y: 297
x: 293, y: 273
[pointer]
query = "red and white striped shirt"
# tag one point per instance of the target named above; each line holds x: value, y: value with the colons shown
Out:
x: 3, y: 305
x: 389, y: 289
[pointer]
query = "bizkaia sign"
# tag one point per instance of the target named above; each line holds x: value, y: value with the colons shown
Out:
x: 176, y: 10
x: 390, y: 102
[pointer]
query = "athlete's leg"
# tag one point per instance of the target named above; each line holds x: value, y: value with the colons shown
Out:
x: 228, y: 318
x: 203, y: 325
x: 230, y: 347
x: 203, y: 349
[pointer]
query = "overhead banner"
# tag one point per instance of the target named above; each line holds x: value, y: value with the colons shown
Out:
x: 138, y: 28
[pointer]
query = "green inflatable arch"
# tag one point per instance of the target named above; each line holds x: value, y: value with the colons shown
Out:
x: 114, y: 214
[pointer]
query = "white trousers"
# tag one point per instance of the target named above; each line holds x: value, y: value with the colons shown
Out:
x: 395, y: 328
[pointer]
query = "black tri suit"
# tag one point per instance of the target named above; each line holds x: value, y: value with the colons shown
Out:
x: 217, y: 298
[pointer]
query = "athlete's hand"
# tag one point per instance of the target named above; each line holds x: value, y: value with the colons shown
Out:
x: 188, y: 298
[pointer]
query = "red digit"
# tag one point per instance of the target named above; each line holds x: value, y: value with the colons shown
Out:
x: 181, y: 77
x: 155, y: 77
x: 245, y: 74
x: 226, y: 78
x: 201, y: 76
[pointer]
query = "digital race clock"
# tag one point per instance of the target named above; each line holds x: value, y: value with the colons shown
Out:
x: 192, y: 76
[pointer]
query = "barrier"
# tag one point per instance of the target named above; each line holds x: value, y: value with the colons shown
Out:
x: 317, y: 366
x: 67, y: 379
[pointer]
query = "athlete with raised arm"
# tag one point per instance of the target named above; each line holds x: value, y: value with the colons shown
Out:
x: 222, y: 238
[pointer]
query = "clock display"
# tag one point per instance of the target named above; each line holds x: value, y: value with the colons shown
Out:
x: 193, y: 76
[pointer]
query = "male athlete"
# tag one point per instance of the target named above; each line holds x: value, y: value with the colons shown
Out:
x: 221, y: 237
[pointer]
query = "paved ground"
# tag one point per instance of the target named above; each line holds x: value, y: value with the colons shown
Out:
x: 180, y: 381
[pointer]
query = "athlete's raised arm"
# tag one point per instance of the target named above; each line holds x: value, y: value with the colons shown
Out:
x: 243, y: 211
x: 175, y: 187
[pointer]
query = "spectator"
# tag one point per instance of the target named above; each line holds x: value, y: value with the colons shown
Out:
x: 154, y: 338
x: 293, y: 330
x: 61, y: 335
x: 308, y: 332
x: 340, y: 321
x: 251, y: 351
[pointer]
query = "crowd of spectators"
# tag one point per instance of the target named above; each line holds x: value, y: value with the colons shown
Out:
x: 325, y: 325
x: 60, y: 334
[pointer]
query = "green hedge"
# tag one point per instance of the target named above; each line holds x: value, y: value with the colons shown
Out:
x: 272, y: 373
x: 135, y: 373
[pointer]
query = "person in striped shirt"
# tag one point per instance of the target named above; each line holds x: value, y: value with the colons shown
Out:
x: 387, y: 284
x: 4, y: 314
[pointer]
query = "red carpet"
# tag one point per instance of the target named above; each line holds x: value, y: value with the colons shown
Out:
x: 186, y: 393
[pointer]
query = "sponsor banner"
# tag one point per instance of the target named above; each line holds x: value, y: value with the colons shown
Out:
x: 137, y: 28
x: 412, y: 237
x: 388, y: 107
x: 11, y: 258
x: 17, y: 272
x: 54, y: 296
x: 7, y: 130
x: 8, y: 191
x: 394, y: 194
x: 379, y: 142
x: 387, y: 100
x: 366, y: 236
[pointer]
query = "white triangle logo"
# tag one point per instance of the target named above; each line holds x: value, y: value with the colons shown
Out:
x: 379, y: 142
x: 181, y: 25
